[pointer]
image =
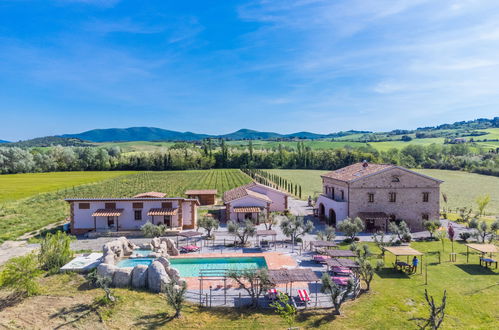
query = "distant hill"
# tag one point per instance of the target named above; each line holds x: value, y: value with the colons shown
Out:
x: 136, y: 134
x: 49, y: 141
x: 248, y: 134
x: 3, y: 141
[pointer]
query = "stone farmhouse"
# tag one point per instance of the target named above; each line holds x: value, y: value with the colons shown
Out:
x: 246, y: 202
x: 379, y: 193
x: 129, y: 214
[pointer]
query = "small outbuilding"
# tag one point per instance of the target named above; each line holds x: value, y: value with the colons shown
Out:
x: 204, y: 196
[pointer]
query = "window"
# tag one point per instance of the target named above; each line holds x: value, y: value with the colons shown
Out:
x: 138, y: 205
x: 166, y: 205
x: 84, y: 206
x: 342, y: 195
x: 395, y: 178
x: 138, y: 215
x: 426, y: 197
x: 425, y: 216
x: 393, y: 197
x: 332, y: 192
x: 370, y: 197
x: 110, y: 206
x: 110, y: 221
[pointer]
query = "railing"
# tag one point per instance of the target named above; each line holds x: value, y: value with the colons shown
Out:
x: 336, y: 199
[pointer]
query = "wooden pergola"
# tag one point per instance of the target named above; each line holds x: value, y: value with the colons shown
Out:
x: 345, y: 263
x: 340, y: 253
x: 482, y: 248
x: 260, y: 233
x: 322, y: 244
x: 400, y: 251
x: 289, y: 276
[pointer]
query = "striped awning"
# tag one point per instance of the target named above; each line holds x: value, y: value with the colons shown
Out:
x: 107, y: 213
x: 163, y: 211
x: 247, y: 209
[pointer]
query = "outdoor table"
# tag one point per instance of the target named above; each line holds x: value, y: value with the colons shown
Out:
x: 402, y: 265
x: 487, y: 262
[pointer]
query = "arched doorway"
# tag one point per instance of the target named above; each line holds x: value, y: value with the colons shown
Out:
x: 322, y: 211
x: 332, y: 218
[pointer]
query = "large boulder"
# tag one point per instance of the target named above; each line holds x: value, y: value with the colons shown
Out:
x: 145, y: 246
x: 173, y: 273
x: 106, y: 270
x: 139, y: 276
x: 122, y: 277
x: 155, y: 242
x: 165, y: 262
x: 109, y: 258
x: 156, y: 276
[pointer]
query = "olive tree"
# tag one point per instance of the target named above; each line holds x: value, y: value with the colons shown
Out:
x: 208, y: 224
x: 431, y: 226
x: 243, y: 231
x: 328, y: 234
x: 253, y: 281
x: 294, y: 227
x: 401, y: 230
x: 337, y: 294
x: 351, y: 227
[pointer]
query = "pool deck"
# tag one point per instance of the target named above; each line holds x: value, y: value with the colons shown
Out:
x: 274, y: 260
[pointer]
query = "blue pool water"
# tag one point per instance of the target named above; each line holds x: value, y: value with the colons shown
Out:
x: 134, y: 262
x: 190, y: 267
x: 143, y: 253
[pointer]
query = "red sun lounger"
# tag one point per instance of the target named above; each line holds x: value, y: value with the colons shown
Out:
x: 303, y: 294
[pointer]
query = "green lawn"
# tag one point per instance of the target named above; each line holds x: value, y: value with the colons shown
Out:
x: 462, y: 188
x: 395, y: 299
x: 34, y: 212
x: 16, y: 186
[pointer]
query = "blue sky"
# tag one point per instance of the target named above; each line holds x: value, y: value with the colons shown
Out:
x: 67, y: 66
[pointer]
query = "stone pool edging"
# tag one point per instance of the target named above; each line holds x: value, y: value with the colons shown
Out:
x: 153, y: 277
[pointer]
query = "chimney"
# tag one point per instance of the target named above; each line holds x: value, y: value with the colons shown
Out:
x: 365, y: 164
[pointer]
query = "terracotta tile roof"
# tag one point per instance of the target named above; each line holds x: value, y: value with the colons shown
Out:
x: 247, y: 209
x: 243, y: 191
x: 162, y: 211
x: 356, y: 171
x: 153, y: 194
x: 202, y: 192
x: 107, y: 213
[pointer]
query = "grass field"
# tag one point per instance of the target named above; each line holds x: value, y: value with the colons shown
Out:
x: 138, y: 146
x: 34, y: 212
x: 16, y: 186
x: 462, y: 188
x: 395, y: 299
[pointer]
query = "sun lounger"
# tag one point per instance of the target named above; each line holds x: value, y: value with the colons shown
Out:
x: 303, y: 294
x: 189, y: 248
x: 320, y: 258
x: 341, y: 280
x: 341, y: 271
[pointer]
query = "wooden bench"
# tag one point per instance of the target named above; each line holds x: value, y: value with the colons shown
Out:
x: 487, y: 261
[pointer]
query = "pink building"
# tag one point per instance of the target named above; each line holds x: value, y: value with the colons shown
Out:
x: 129, y: 214
x: 247, y: 201
x: 379, y: 193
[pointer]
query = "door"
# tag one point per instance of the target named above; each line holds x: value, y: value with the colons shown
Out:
x: 370, y: 225
x: 332, y: 218
x: 167, y: 220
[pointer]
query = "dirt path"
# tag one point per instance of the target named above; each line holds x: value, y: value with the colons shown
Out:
x: 11, y: 249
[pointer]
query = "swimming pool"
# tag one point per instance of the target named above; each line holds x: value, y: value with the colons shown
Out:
x: 190, y: 267
x: 132, y: 262
x: 143, y: 253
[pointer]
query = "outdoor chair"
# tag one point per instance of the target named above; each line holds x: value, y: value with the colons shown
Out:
x: 272, y: 294
x: 341, y: 271
x: 304, y: 296
x: 189, y: 248
x: 341, y: 280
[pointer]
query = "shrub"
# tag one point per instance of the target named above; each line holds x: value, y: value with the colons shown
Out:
x: 151, y: 230
x: 20, y: 274
x: 175, y: 296
x: 431, y: 226
x: 55, y: 251
x: 465, y: 236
